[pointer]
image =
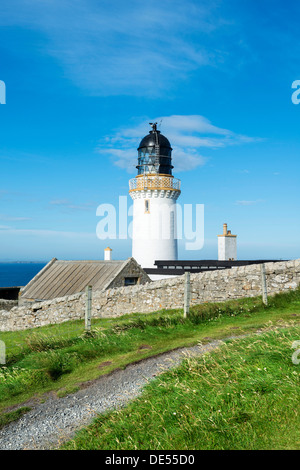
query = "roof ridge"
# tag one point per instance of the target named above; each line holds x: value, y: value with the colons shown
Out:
x: 58, y: 279
x: 38, y: 275
x: 117, y: 273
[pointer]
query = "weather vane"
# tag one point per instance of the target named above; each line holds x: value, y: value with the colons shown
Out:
x: 154, y: 125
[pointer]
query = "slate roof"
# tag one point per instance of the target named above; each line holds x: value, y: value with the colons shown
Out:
x: 60, y: 278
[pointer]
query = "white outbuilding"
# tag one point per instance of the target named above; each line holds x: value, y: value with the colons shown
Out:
x: 227, y: 246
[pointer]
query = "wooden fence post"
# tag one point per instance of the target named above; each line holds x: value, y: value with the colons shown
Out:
x: 264, y: 284
x: 187, y: 294
x: 88, y: 308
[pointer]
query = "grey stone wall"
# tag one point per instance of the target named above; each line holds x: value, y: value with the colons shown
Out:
x: 214, y: 286
x: 7, y: 304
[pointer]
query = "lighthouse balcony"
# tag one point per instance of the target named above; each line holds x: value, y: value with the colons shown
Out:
x: 155, y: 182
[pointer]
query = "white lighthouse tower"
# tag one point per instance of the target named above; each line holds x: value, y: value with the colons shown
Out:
x: 154, y: 192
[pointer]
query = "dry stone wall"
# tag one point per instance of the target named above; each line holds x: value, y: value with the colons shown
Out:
x: 7, y: 304
x: 213, y: 286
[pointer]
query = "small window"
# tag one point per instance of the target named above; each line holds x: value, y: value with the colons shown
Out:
x: 130, y: 281
x: 147, y: 206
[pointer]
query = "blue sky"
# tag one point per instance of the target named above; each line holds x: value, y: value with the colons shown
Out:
x: 83, y: 80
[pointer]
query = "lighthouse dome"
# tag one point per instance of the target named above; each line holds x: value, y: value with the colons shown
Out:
x: 154, y: 138
x: 154, y: 154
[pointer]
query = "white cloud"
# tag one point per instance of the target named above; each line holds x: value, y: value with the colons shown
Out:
x: 65, y: 204
x: 188, y: 135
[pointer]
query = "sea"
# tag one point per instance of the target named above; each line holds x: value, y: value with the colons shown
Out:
x: 17, y: 274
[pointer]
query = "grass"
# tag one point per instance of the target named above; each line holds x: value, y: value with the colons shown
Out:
x: 11, y: 416
x: 60, y: 357
x: 245, y: 396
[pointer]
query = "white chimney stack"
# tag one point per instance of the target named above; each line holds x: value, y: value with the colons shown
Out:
x: 227, y: 246
x: 107, y: 254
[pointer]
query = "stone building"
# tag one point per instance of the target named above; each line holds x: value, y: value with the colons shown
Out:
x: 62, y: 278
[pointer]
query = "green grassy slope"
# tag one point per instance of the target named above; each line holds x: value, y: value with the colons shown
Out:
x: 60, y: 357
x: 245, y: 395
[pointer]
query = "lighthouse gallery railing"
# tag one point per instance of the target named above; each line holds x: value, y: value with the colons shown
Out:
x: 154, y: 182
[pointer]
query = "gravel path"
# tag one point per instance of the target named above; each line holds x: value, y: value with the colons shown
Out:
x: 48, y: 424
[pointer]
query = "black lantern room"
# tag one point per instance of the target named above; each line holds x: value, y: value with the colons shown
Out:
x: 154, y: 154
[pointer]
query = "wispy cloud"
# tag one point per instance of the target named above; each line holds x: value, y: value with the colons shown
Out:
x: 249, y: 203
x: 14, y: 218
x: 67, y: 205
x: 189, y: 137
x: 48, y: 233
x: 124, y: 47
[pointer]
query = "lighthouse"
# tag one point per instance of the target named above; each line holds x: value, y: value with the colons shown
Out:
x: 154, y: 192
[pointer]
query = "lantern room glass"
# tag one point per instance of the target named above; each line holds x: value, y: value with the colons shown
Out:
x: 149, y: 164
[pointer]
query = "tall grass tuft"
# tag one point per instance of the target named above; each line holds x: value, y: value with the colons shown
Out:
x: 57, y: 363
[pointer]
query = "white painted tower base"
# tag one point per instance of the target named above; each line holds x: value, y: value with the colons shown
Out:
x: 154, y: 218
